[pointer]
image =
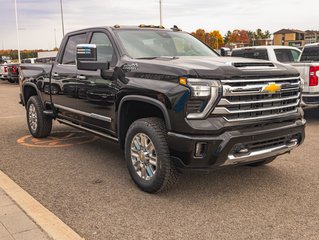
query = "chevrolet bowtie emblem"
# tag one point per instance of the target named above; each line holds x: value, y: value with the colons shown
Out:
x: 271, y: 88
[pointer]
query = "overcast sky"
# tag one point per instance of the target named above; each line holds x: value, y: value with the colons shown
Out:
x: 38, y: 18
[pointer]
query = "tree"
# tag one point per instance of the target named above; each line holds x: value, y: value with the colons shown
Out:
x: 239, y: 36
x: 226, y: 37
x: 200, y: 34
x: 217, y: 38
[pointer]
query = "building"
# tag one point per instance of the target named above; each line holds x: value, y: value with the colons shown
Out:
x: 311, y: 36
x: 289, y: 37
x: 262, y: 42
x: 47, y: 54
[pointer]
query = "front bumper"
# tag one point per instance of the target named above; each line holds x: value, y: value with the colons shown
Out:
x: 221, y: 151
x: 310, y: 99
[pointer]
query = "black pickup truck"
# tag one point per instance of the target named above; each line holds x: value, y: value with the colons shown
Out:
x: 169, y: 100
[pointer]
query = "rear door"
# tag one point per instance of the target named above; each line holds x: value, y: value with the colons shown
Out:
x: 64, y: 78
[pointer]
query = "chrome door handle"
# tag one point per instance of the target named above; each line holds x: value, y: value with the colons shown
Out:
x: 81, y: 77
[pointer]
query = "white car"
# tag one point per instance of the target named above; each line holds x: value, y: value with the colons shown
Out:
x: 283, y: 54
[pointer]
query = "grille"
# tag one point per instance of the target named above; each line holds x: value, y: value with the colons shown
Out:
x: 265, y: 144
x: 251, y: 99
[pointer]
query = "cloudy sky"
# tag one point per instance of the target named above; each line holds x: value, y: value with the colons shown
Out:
x: 38, y: 18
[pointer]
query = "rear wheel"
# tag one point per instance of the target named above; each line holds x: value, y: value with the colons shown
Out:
x: 10, y: 80
x: 39, y: 124
x: 147, y: 156
x: 262, y: 162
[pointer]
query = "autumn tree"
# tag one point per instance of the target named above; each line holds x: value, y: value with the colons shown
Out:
x: 217, y: 38
x: 239, y: 36
x: 200, y: 34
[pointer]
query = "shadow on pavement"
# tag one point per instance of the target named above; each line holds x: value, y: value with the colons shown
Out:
x: 312, y: 114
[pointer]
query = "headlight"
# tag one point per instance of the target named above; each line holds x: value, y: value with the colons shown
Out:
x: 206, y: 90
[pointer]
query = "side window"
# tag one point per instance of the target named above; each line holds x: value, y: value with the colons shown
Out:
x: 70, y: 49
x: 295, y: 55
x: 104, y: 46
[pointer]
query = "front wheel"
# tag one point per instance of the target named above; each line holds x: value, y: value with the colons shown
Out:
x: 39, y: 124
x: 147, y: 156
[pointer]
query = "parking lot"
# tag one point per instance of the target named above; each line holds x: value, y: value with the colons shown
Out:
x: 84, y: 181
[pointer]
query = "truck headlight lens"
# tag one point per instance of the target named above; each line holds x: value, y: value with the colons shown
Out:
x: 208, y: 91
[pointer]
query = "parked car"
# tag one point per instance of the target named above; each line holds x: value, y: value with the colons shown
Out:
x: 29, y: 60
x: 169, y: 100
x: 13, y: 73
x: 4, y: 72
x: 308, y: 66
x: 284, y: 54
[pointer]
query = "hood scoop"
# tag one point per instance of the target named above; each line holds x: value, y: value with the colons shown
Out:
x: 253, y: 65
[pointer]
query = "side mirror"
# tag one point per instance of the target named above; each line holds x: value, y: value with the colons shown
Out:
x: 87, y: 58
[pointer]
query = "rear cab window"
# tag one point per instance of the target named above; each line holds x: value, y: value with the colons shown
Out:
x: 310, y: 54
x: 286, y: 55
x: 261, y: 54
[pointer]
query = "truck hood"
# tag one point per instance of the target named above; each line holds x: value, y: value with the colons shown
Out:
x: 214, y: 67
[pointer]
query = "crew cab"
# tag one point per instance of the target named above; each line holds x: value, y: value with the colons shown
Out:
x: 171, y: 102
x: 284, y: 54
x: 308, y: 66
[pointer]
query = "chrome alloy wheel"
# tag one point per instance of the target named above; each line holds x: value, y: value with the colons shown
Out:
x: 33, y: 117
x: 143, y: 155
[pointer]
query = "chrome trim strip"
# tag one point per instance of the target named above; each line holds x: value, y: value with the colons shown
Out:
x: 225, y: 102
x: 87, y: 129
x: 254, y: 89
x: 223, y: 110
x: 261, y: 154
x: 261, y: 117
x: 92, y: 115
x: 260, y: 80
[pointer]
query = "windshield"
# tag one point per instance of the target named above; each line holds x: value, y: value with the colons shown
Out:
x: 310, y: 54
x: 152, y: 44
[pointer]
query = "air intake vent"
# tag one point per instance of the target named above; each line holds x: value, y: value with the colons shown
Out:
x: 253, y: 64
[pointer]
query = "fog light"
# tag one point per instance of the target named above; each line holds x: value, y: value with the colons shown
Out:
x: 200, y: 149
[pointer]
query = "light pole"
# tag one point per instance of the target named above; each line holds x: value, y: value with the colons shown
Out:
x: 55, y: 46
x: 62, y: 17
x: 17, y: 28
x: 161, y: 16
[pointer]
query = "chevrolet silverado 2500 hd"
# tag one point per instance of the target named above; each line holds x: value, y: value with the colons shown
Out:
x: 169, y: 100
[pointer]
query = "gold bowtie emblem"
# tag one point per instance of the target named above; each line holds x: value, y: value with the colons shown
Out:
x: 271, y: 88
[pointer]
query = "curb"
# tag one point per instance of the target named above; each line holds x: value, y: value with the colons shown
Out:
x: 46, y: 220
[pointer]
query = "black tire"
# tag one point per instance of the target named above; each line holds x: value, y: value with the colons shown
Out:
x: 43, y: 125
x: 10, y: 80
x: 261, y: 163
x: 166, y: 173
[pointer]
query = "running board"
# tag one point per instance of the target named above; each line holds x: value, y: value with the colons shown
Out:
x: 88, y: 130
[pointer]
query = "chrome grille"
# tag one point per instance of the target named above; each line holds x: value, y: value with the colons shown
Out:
x: 248, y: 100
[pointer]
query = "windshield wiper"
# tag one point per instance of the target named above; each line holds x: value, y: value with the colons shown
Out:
x: 159, y: 57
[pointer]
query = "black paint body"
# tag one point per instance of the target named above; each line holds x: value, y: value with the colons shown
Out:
x: 153, y: 82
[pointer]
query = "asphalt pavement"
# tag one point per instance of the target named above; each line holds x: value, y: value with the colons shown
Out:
x: 84, y: 181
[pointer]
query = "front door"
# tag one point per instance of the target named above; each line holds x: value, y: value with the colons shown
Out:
x: 97, y: 89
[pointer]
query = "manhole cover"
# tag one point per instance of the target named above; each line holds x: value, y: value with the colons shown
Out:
x: 58, y: 139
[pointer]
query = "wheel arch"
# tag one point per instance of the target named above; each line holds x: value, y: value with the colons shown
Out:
x: 156, y: 105
x: 29, y: 89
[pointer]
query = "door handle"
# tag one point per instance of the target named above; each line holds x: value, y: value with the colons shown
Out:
x: 81, y: 77
x: 55, y: 74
